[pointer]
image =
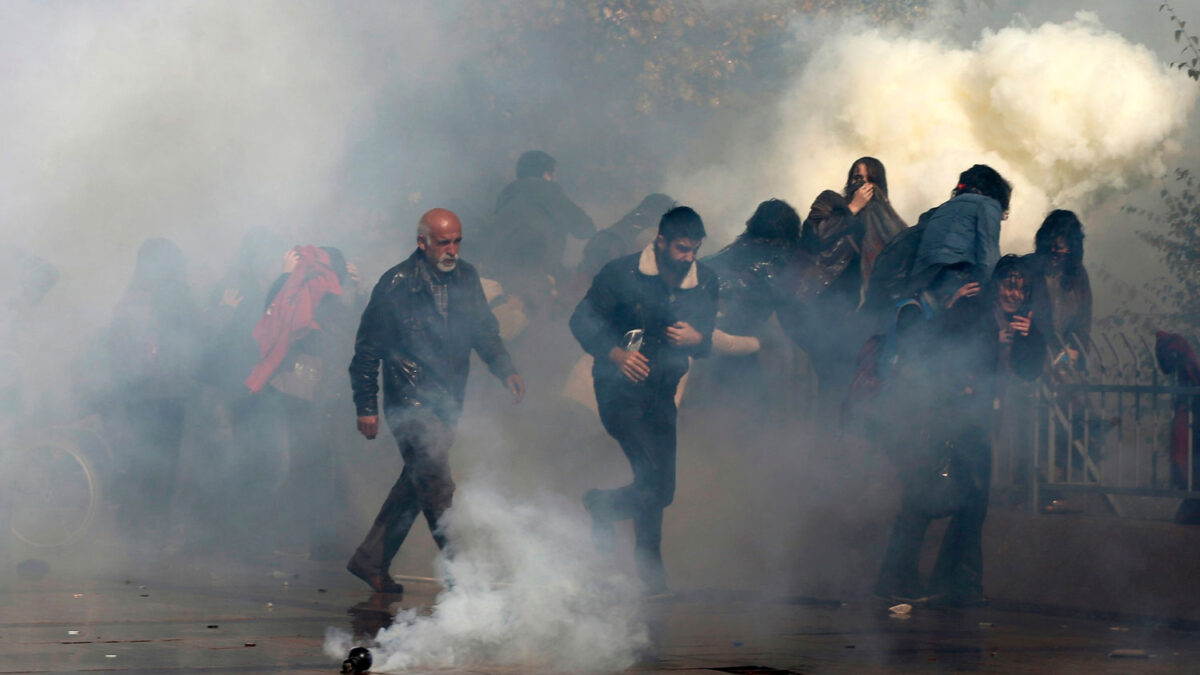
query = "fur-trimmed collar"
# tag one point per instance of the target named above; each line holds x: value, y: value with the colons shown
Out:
x: 648, y: 265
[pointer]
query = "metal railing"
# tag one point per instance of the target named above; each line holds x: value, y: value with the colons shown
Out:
x: 1102, y: 425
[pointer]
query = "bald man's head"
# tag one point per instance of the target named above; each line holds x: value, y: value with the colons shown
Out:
x: 439, y: 235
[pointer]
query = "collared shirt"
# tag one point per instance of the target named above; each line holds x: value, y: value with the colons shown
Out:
x: 437, y: 284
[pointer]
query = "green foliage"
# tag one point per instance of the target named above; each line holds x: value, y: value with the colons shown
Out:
x: 1173, y: 301
x: 1190, y: 52
x: 669, y: 51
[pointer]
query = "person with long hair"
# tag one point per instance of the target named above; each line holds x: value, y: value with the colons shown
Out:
x: 844, y: 233
x: 753, y: 272
x: 1062, y: 289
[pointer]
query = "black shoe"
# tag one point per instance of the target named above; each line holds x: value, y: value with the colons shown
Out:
x: 379, y: 582
x: 604, y: 533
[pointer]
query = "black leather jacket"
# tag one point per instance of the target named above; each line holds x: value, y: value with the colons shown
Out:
x: 752, y: 272
x: 425, y: 357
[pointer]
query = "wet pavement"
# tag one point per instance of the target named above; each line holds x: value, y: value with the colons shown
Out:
x: 275, y: 622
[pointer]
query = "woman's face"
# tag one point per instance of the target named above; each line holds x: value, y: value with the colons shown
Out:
x: 1012, y: 293
x: 858, y: 177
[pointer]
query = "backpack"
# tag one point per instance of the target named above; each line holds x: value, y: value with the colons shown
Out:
x: 877, y: 360
x: 891, y: 275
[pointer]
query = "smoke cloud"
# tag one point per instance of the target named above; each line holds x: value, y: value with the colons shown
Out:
x: 337, y: 123
x: 527, y: 590
x: 1068, y: 112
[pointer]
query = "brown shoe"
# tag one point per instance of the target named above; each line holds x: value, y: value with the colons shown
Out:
x: 379, y: 582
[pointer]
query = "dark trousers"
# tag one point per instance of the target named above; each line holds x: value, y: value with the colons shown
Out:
x: 424, y: 486
x: 149, y: 466
x: 642, y: 419
x: 309, y: 490
x: 958, y: 572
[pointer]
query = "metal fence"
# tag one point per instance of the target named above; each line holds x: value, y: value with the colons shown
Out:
x: 1102, y: 425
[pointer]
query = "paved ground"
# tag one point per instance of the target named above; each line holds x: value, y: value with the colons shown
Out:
x: 276, y: 623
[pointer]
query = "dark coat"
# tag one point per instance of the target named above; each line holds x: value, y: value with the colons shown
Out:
x: 528, y: 238
x: 1064, y: 313
x: 751, y: 271
x: 967, y: 355
x: 845, y: 245
x: 627, y: 294
x: 152, y: 343
x: 425, y: 358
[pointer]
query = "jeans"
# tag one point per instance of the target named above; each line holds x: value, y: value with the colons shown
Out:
x: 958, y: 572
x: 641, y: 417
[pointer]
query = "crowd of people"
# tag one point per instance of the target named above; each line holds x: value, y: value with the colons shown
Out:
x: 919, y: 336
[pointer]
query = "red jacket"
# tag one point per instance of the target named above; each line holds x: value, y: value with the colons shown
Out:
x: 1175, y: 356
x: 289, y: 317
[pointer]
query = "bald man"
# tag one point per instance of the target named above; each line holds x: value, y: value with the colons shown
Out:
x: 424, y: 318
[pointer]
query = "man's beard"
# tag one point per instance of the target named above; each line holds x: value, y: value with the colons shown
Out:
x: 672, y: 266
x: 447, y: 263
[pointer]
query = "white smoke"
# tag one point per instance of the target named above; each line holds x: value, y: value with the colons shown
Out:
x: 528, y: 591
x: 1067, y: 112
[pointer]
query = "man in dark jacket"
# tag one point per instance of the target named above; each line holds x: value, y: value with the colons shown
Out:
x: 424, y: 318
x: 644, y: 317
x: 534, y: 217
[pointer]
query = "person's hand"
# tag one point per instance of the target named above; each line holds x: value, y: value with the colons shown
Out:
x: 352, y: 273
x: 1021, y: 324
x: 290, y: 260
x: 368, y: 425
x: 633, y: 365
x: 517, y: 386
x: 965, y: 291
x: 231, y: 298
x: 861, y: 196
x: 681, y: 334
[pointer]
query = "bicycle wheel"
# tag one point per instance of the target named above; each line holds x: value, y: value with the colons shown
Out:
x: 52, y: 491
